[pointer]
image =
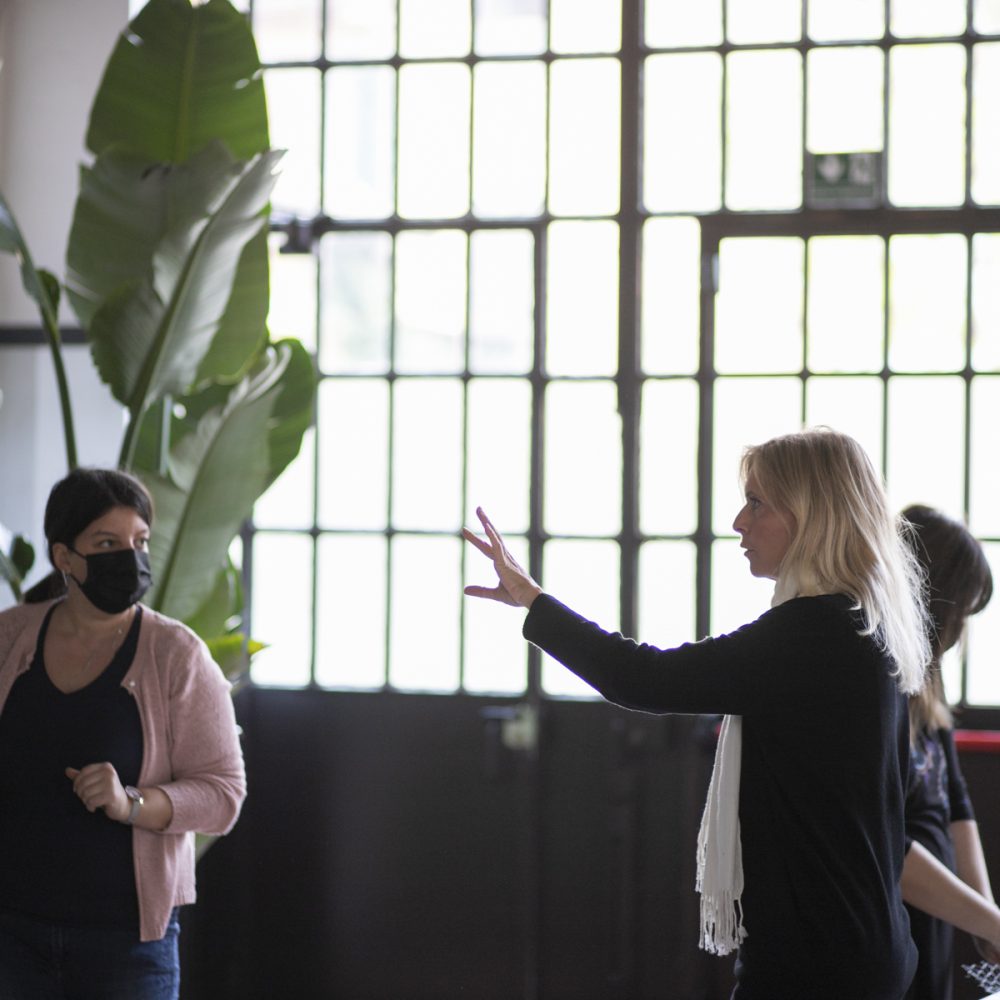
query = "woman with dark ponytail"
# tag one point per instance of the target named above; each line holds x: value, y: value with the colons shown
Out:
x: 940, y: 823
x: 118, y: 742
x: 74, y: 503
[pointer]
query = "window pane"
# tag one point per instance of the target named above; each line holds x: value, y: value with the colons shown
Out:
x: 586, y: 25
x: 508, y: 157
x: 758, y: 312
x: 360, y: 29
x: 356, y: 301
x: 764, y: 166
x: 282, y: 608
x: 430, y: 300
x: 986, y: 123
x: 927, y: 276
x: 350, y: 626
x: 951, y: 673
x: 671, y: 290
x: 985, y: 302
x: 846, y: 332
x: 495, y: 655
x: 986, y: 16
x: 354, y: 453
x: 502, y: 301
x: 288, y: 502
x: 925, y: 18
x: 752, y: 21
x: 845, y: 100
x: 294, y: 117
x: 430, y: 28
x: 668, y: 457
x: 747, y: 411
x: 850, y: 405
x: 675, y: 23
x: 737, y: 596
x: 983, y: 687
x: 423, y: 634
x: 586, y: 576
x: 926, y: 428
x: 499, y: 451
x: 583, y: 459
x: 287, y: 30
x: 427, y: 454
x: 360, y: 136
x: 582, y: 299
x: 831, y: 20
x: 292, y: 306
x: 683, y: 137
x: 984, y: 492
x: 666, y: 593
x: 584, y: 133
x: 927, y: 125
x: 433, y: 141
x: 510, y: 27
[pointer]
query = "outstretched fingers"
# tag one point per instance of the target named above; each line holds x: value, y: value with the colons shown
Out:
x: 484, y: 547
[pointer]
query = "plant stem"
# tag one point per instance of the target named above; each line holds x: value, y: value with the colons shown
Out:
x: 127, y: 455
x: 55, y: 343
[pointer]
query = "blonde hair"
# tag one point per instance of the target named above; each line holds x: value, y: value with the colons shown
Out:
x: 845, y: 539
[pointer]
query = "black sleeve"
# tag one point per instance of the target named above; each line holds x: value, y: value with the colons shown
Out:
x: 959, y: 803
x: 738, y: 673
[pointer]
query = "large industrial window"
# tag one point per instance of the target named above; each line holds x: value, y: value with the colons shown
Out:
x: 565, y: 259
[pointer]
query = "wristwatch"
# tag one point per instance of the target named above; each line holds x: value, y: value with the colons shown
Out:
x: 136, y: 798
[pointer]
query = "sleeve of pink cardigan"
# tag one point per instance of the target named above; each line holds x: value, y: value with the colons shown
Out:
x: 209, y: 780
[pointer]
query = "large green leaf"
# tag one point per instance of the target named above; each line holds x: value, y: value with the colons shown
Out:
x: 180, y: 76
x: 17, y: 556
x: 242, y: 331
x: 123, y: 211
x: 219, y: 469
x: 151, y: 330
x: 232, y: 652
x: 218, y: 622
x: 220, y: 613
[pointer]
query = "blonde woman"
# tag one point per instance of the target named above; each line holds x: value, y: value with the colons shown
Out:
x: 801, y: 845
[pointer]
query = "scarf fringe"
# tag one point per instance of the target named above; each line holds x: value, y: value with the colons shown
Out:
x: 722, y: 929
x: 720, y: 853
x: 719, y: 877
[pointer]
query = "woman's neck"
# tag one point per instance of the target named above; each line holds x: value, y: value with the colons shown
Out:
x: 77, y: 616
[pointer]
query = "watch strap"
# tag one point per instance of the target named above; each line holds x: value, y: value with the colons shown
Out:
x: 136, y: 798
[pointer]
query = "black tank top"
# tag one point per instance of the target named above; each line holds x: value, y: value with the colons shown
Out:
x: 61, y: 862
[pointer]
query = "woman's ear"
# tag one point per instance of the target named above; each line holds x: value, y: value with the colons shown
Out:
x: 61, y: 558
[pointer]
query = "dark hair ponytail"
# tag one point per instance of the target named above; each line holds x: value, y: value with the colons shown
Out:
x: 959, y: 584
x: 77, y: 501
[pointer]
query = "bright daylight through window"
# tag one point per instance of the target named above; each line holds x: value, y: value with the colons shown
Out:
x: 563, y: 264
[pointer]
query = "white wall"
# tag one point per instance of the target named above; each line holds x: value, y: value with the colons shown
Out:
x: 52, y: 55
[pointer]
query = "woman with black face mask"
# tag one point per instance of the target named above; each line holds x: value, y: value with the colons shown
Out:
x: 118, y: 742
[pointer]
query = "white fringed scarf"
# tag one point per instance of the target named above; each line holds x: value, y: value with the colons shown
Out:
x: 720, y: 853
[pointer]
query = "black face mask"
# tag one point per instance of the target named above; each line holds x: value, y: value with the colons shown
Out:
x: 115, y: 580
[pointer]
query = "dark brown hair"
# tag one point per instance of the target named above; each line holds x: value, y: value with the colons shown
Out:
x: 959, y: 584
x: 74, y: 503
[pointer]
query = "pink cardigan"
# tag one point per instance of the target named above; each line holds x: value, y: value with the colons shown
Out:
x: 190, y: 748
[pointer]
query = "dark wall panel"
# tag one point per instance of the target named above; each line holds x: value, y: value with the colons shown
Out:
x: 392, y: 848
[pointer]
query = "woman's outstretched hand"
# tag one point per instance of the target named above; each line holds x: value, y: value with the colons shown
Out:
x: 515, y: 587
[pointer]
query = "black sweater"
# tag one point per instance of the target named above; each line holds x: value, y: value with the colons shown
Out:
x: 825, y: 748
x: 936, y: 798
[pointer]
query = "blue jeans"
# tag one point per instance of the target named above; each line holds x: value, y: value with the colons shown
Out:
x: 41, y: 960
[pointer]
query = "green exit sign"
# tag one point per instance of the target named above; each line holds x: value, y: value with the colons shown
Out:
x: 843, y: 180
